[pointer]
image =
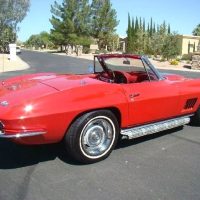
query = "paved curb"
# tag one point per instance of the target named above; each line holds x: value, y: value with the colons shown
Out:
x: 7, y: 65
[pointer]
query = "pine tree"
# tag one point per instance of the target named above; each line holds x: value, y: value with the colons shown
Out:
x: 151, y: 40
x: 82, y: 21
x: 151, y: 27
x: 70, y: 22
x: 148, y: 30
x: 154, y: 28
x: 133, y: 27
x: 164, y: 26
x: 169, y: 29
x: 129, y: 35
x: 140, y: 23
x: 136, y: 25
x: 144, y: 26
x: 103, y: 21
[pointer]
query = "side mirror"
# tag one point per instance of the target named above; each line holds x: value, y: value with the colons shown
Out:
x: 90, y: 69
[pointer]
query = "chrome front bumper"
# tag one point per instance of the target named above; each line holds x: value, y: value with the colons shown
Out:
x: 21, y: 134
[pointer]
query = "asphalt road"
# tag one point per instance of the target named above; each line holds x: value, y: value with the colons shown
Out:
x: 165, y: 166
x: 46, y: 62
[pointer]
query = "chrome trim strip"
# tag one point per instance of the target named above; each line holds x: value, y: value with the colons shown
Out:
x: 20, y: 135
x: 149, y: 129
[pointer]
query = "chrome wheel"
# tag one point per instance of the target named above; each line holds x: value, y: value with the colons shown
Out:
x: 97, y: 137
x: 92, y: 136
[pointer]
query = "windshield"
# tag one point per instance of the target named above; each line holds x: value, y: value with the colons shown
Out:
x: 124, y: 63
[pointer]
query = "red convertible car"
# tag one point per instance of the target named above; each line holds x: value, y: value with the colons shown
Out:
x: 123, y: 96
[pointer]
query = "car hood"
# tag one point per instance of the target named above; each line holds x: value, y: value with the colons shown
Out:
x: 173, y: 77
x: 22, y: 89
x: 29, y: 87
x: 67, y: 82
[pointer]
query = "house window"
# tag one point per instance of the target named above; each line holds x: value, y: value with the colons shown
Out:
x: 190, y: 47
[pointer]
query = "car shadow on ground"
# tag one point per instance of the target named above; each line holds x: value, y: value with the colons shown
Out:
x: 14, y: 156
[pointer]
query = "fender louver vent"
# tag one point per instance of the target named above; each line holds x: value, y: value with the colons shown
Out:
x: 190, y: 103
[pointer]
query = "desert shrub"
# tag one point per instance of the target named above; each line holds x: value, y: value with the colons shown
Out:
x: 103, y: 51
x: 174, y: 62
x: 187, y: 56
x: 162, y: 59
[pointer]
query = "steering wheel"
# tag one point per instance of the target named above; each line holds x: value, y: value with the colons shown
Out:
x: 107, y: 76
x: 121, y: 77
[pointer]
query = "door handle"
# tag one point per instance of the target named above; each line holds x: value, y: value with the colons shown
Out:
x: 134, y: 95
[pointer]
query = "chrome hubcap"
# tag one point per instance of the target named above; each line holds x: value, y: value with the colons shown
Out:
x: 97, y: 136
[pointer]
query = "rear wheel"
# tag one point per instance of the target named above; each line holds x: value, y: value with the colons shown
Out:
x: 92, y: 136
x: 195, y: 120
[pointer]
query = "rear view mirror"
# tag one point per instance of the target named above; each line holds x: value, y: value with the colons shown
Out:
x: 126, y: 62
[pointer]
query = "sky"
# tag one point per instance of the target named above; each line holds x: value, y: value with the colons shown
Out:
x: 183, y: 16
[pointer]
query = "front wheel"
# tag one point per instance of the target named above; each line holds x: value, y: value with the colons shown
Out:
x: 92, y: 136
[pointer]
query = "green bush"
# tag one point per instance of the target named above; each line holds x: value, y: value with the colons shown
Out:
x: 86, y: 50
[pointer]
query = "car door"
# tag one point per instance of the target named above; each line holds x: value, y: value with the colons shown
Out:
x: 151, y: 101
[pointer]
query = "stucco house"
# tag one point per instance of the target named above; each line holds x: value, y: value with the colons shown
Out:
x: 189, y: 44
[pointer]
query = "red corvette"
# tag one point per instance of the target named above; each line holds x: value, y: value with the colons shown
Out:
x: 124, y: 96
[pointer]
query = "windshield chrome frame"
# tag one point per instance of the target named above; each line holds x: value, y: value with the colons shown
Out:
x: 156, y: 72
x: 101, y: 62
